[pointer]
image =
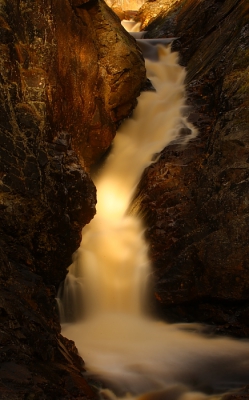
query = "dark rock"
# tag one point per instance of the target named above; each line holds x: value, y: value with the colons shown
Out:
x: 61, y: 97
x: 195, y: 199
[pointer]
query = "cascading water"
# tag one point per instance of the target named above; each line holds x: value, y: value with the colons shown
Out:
x: 104, y: 295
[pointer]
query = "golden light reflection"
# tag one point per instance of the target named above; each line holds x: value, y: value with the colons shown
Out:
x: 112, y: 201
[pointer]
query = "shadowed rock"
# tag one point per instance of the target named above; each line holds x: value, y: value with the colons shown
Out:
x: 195, y: 199
x: 68, y: 76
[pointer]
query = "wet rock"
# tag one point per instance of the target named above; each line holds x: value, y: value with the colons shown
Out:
x: 158, y: 17
x: 61, y: 97
x: 195, y: 199
x: 108, y: 73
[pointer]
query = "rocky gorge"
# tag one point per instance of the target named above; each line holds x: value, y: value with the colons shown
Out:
x: 69, y: 75
x: 64, y: 90
x: 195, y: 199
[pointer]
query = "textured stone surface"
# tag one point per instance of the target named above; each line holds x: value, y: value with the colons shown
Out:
x: 158, y: 17
x: 62, y: 94
x: 195, y: 200
x: 108, y: 75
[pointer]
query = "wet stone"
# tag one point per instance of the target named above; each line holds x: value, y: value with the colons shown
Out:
x: 4, y: 188
x: 7, y: 142
x: 7, y: 158
x: 31, y: 170
x: 4, y: 120
x: 185, y: 131
x: 14, y: 182
x: 15, y: 171
x: 14, y: 92
x: 6, y: 35
x: 19, y: 153
x: 42, y: 158
x: 27, y: 119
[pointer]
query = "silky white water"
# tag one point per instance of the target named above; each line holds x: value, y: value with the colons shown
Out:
x: 103, y: 300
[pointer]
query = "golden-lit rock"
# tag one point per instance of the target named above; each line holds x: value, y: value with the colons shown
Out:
x: 98, y: 71
x: 62, y: 94
x: 153, y: 15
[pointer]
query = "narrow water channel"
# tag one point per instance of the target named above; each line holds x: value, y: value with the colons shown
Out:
x: 103, y: 301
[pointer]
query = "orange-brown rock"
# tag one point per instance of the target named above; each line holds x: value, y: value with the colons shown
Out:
x: 98, y: 72
x: 158, y: 17
x: 68, y: 76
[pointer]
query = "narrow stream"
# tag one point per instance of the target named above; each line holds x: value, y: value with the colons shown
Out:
x: 103, y: 301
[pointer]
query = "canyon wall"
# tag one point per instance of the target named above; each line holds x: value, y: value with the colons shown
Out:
x: 194, y: 200
x: 69, y: 74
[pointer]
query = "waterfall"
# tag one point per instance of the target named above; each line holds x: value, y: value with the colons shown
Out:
x: 103, y: 301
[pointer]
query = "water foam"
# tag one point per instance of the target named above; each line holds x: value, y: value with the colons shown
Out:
x: 104, y: 295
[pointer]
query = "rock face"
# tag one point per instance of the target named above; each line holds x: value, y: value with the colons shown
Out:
x: 195, y: 199
x: 69, y: 74
x: 109, y: 73
x: 158, y: 17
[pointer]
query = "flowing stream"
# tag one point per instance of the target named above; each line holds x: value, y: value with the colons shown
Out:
x: 103, y: 300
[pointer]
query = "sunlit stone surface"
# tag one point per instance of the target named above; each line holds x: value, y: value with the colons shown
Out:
x: 126, y: 4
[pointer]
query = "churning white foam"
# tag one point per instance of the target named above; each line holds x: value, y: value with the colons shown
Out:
x: 104, y: 294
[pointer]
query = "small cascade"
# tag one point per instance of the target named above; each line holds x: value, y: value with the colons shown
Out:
x: 103, y: 300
